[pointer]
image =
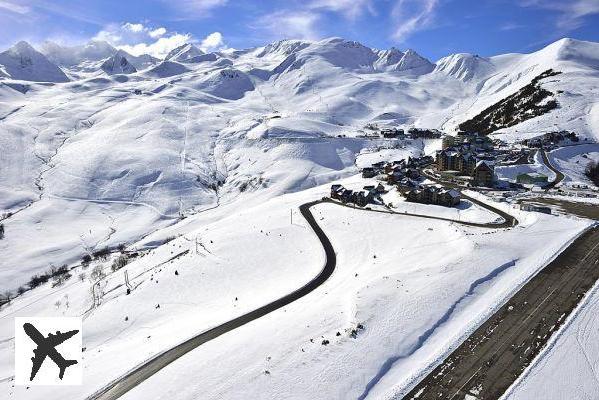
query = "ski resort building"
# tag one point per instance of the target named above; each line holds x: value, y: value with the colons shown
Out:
x: 483, y: 174
x: 434, y: 195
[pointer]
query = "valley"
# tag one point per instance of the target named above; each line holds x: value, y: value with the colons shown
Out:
x: 255, y: 223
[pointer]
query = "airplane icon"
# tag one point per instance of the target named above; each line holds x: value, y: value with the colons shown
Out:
x: 46, y: 346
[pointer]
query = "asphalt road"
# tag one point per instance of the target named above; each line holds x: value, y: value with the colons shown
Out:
x: 122, y: 385
x: 142, y: 372
x: 491, y: 359
x: 508, y: 220
x: 558, y: 175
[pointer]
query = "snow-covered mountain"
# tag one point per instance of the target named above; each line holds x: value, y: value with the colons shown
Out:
x: 23, y: 62
x: 184, y: 53
x: 217, y: 151
x: 140, y: 62
x: 166, y: 69
x: 465, y: 66
x: 410, y: 61
x: 89, y: 57
x: 70, y: 56
x: 175, y: 137
x: 117, y: 64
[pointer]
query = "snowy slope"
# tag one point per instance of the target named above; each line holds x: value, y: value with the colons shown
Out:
x: 117, y: 64
x: 568, y: 368
x: 398, y: 276
x: 69, y: 56
x: 573, y: 160
x: 23, y: 62
x: 177, y: 138
x: 218, y: 151
x: 184, y: 53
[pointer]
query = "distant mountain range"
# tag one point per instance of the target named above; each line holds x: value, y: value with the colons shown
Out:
x: 97, y: 56
x: 155, y: 138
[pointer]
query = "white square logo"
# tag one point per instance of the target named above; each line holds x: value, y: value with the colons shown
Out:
x: 48, y: 351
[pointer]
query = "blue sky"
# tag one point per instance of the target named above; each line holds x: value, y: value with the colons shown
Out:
x: 433, y: 28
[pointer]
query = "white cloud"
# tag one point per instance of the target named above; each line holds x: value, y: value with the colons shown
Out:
x: 159, y: 48
x: 351, y: 9
x: 110, y: 33
x: 290, y: 24
x: 571, y: 12
x: 139, y: 39
x: 212, y: 42
x: 14, y: 8
x: 158, y: 32
x: 133, y: 27
x: 411, y: 16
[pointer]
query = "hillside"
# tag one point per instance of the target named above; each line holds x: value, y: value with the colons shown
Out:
x: 529, y: 102
x: 23, y: 62
x: 169, y: 192
x: 136, y: 149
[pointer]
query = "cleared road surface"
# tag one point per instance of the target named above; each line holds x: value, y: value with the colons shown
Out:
x: 558, y: 175
x: 122, y: 385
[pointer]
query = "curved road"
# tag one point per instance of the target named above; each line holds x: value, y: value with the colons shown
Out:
x: 142, y: 372
x: 558, y: 175
x: 492, y: 358
x: 123, y: 384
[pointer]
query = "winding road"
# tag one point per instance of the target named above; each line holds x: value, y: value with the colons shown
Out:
x: 122, y: 385
x: 142, y: 372
x: 558, y: 175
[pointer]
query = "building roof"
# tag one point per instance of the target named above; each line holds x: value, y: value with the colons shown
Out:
x: 453, y: 193
x: 483, y: 164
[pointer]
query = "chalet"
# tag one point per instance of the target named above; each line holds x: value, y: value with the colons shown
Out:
x: 414, y: 195
x: 535, y: 208
x: 405, y: 185
x: 346, y: 195
x: 369, y: 172
x: 336, y: 191
x: 424, y: 133
x: 412, y: 173
x: 434, y: 195
x: 392, y: 133
x: 395, y: 176
x: 483, y: 174
x: 361, y: 198
x: 447, y: 160
x: 380, y: 189
x: 448, y: 198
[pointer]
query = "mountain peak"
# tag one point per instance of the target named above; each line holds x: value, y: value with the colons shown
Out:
x: 464, y: 66
x: 184, y: 53
x: 23, y: 62
x: 410, y: 61
x: 283, y: 47
x: 69, y: 56
x: 118, y: 64
x: 22, y: 47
